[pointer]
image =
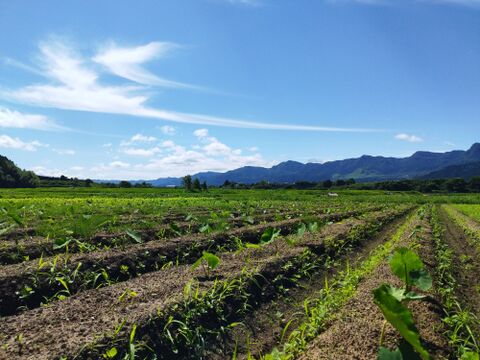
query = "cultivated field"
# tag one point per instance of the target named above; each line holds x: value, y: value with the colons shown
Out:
x: 238, y: 274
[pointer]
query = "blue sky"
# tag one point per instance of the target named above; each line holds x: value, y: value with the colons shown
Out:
x: 141, y: 90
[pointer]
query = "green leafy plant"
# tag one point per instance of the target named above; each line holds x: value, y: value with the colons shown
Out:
x: 392, y: 301
x: 210, y: 260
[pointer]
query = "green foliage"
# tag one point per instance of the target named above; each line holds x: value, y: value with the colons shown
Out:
x: 269, y: 235
x: 400, y: 317
x: 408, y: 266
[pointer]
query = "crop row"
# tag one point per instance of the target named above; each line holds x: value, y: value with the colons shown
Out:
x: 151, y: 311
x: 41, y: 281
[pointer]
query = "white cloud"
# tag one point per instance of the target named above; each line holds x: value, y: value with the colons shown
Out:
x: 125, y: 62
x: 15, y: 119
x: 201, y: 133
x: 64, y: 151
x: 170, y: 159
x: 253, y: 149
x: 18, y: 144
x: 142, y: 138
x: 168, y: 130
x: 407, y: 137
x: 73, y: 85
x: 119, y: 165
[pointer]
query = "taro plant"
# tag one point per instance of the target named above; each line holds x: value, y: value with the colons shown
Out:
x: 393, y: 301
x: 209, y: 262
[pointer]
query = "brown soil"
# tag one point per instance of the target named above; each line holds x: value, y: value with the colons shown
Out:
x: 356, y: 331
x: 262, y: 330
x: 466, y: 265
x: 140, y: 258
x: 64, y: 327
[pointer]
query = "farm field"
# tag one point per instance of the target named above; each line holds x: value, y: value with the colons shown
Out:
x: 238, y: 274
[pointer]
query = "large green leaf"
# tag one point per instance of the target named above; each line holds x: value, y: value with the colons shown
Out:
x: 269, y: 235
x: 400, y: 317
x: 211, y: 259
x: 408, y: 266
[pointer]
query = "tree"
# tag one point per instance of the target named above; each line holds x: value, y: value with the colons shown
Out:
x: 187, y: 182
x: 88, y: 183
x: 204, y: 186
x: 196, y: 185
x: 456, y: 185
x: 125, y: 184
x: 474, y: 184
x: 327, y: 184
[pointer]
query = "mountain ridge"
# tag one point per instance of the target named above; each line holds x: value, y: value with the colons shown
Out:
x: 362, y: 169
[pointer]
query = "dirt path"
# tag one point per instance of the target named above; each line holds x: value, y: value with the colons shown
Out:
x: 356, y: 331
x: 466, y: 262
x: 263, y: 329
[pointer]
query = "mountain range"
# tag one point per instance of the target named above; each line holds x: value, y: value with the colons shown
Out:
x: 422, y: 164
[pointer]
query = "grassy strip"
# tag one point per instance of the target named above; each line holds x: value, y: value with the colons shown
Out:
x: 192, y: 328
x: 459, y: 320
x: 461, y: 221
x: 335, y: 295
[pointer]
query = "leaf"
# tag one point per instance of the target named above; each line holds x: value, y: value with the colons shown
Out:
x: 60, y: 243
x: 211, y: 259
x: 110, y: 354
x: 400, y: 317
x: 301, y: 230
x: 206, y: 229
x: 134, y: 236
x: 387, y: 354
x: 408, y: 266
x: 312, y: 227
x: 269, y: 235
x: 175, y: 229
x: 397, y: 293
x: 403, y: 352
x: 421, y: 279
x: 470, y: 356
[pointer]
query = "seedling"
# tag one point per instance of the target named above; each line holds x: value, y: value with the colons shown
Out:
x: 392, y: 301
x: 210, y: 260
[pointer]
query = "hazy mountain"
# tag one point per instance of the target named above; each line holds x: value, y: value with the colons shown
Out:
x: 464, y: 171
x: 364, y: 168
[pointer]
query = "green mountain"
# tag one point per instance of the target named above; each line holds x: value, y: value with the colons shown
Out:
x: 464, y: 171
x: 12, y: 176
x: 363, y: 169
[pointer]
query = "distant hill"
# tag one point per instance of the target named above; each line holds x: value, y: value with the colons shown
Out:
x: 12, y: 176
x: 363, y: 169
x: 464, y: 171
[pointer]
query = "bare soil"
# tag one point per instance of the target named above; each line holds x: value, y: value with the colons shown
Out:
x: 356, y: 331
x: 466, y: 265
x: 263, y: 329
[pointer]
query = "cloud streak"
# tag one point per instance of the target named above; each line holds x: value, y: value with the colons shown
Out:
x: 74, y: 85
x: 15, y: 119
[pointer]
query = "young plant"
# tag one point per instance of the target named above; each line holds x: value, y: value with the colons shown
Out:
x: 392, y: 301
x: 210, y: 260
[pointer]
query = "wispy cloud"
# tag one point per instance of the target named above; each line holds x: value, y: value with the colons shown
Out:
x: 15, y: 119
x: 18, y: 144
x: 408, y: 137
x: 126, y: 62
x: 74, y: 85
